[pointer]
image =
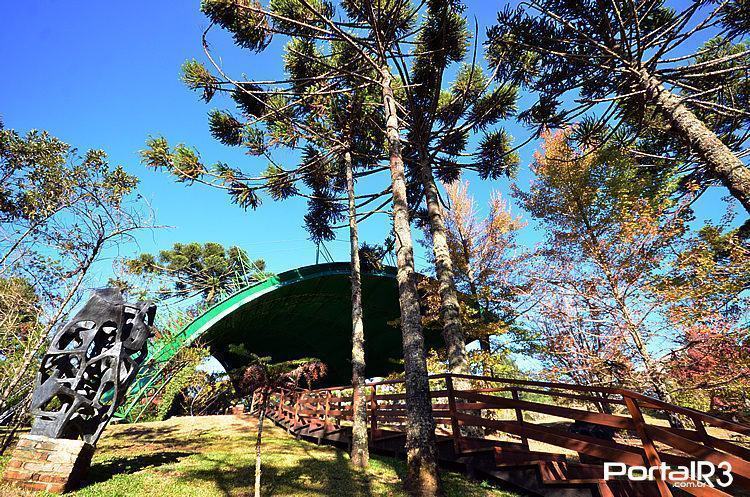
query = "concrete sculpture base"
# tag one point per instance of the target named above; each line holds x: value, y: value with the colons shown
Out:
x: 53, y: 464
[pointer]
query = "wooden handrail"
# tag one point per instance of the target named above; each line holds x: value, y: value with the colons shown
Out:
x: 325, y: 409
x: 644, y: 400
x: 648, y: 402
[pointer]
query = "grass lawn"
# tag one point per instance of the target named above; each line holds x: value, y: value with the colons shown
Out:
x: 215, y: 456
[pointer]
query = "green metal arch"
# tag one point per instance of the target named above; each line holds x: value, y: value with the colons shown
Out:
x: 201, y: 324
x: 380, y: 288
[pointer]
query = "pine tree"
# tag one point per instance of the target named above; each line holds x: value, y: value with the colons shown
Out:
x: 282, y: 118
x: 326, y: 129
x: 208, y: 270
x: 440, y: 124
x: 631, y: 65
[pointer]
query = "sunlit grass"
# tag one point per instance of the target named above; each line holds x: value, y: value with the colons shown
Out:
x: 214, y: 456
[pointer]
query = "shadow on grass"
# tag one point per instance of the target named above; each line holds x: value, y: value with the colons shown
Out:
x: 329, y: 477
x: 148, y: 432
x: 105, y: 470
x: 161, y: 438
x: 454, y: 484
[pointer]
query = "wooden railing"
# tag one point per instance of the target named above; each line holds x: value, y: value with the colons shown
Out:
x: 608, y: 424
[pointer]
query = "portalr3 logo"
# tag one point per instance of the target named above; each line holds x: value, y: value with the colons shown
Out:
x: 697, y: 474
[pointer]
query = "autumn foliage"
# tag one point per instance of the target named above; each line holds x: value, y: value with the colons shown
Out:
x: 628, y: 295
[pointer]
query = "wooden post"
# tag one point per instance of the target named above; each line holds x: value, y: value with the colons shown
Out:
x: 455, y: 428
x: 318, y: 407
x: 652, y: 456
x: 373, y: 411
x: 337, y: 407
x: 519, y: 416
x: 326, y: 408
x: 280, y: 407
x: 295, y: 417
x: 312, y: 405
x: 702, y: 431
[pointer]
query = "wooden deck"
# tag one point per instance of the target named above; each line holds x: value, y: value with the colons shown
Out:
x: 548, y: 439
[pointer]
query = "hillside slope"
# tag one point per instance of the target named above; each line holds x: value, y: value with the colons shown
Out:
x: 214, y: 456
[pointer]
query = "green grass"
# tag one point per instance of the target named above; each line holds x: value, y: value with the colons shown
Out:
x: 214, y: 456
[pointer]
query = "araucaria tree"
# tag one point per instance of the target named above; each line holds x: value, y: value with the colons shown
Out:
x: 322, y: 111
x: 629, y: 69
x: 189, y: 270
x: 344, y: 52
x: 440, y: 125
x: 343, y: 148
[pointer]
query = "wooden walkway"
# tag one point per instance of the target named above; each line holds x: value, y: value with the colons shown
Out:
x: 548, y: 439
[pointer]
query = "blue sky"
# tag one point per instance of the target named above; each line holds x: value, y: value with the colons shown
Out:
x: 106, y: 75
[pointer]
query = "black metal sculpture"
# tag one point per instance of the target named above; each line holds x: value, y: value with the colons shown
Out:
x: 89, y: 366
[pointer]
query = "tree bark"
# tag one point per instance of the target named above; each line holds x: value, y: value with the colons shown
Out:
x: 360, y: 454
x: 422, y: 477
x: 453, y: 333
x: 718, y: 159
x: 485, y: 342
x: 486, y: 348
x: 261, y: 417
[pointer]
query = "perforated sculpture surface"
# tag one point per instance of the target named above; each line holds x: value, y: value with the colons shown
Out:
x: 89, y: 366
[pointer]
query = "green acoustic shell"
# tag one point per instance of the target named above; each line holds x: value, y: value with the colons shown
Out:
x: 304, y: 312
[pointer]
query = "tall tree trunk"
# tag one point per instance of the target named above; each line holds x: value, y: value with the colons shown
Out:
x: 422, y: 477
x: 603, y: 406
x: 258, y: 441
x: 360, y: 453
x: 485, y: 343
x: 717, y: 157
x: 656, y: 378
x: 453, y: 333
